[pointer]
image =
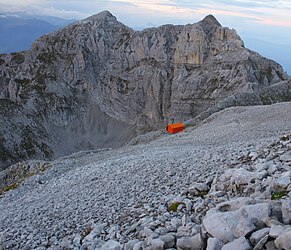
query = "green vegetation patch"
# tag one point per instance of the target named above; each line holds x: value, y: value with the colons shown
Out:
x: 19, y: 173
x: 285, y: 137
x: 278, y: 195
x: 8, y: 188
x: 201, y: 194
x: 174, y: 206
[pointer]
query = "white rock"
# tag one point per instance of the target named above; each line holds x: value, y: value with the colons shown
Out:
x: 214, y: 244
x: 286, y: 211
x: 184, y: 230
x: 235, y: 204
x: 237, y: 244
x: 253, y: 155
x: 77, y: 240
x: 285, y: 157
x: 238, y: 176
x: 111, y: 245
x: 277, y: 230
x: 188, y: 204
x: 175, y: 222
x: 262, y: 174
x: 185, y: 220
x: 233, y: 224
x: 262, y: 166
x: 272, y: 169
x: 202, y: 187
x: 216, y: 194
x: 284, y: 240
x: 282, y: 181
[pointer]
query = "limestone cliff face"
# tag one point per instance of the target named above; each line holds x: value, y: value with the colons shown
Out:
x: 97, y: 82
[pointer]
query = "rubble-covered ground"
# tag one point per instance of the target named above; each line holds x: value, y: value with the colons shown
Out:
x: 222, y: 185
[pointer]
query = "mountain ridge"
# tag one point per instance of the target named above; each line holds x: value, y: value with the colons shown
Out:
x: 99, y: 67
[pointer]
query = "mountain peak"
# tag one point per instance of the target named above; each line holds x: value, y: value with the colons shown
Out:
x: 104, y: 15
x: 210, y: 20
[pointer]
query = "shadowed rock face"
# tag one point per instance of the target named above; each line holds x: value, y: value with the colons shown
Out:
x: 97, y: 82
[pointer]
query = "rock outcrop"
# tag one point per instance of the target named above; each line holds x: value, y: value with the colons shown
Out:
x: 96, y: 83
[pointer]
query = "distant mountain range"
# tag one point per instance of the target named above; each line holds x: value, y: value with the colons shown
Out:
x: 274, y: 51
x: 18, y: 30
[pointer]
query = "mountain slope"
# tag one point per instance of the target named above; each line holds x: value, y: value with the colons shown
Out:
x: 125, y: 191
x: 141, y: 80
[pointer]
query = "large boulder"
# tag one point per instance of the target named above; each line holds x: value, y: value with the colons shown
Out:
x: 227, y: 222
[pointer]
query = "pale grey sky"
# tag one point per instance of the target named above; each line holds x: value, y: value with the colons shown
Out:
x: 257, y: 21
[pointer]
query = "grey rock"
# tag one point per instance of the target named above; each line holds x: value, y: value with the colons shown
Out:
x: 261, y: 243
x: 214, y: 244
x: 269, y: 222
x: 270, y: 245
x: 169, y: 240
x: 161, y: 231
x: 139, y: 246
x: 258, y: 235
x: 190, y: 243
x: 238, y: 244
x: 111, y: 245
x: 129, y: 245
x: 157, y: 244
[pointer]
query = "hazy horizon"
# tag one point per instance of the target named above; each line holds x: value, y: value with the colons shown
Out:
x: 265, y: 26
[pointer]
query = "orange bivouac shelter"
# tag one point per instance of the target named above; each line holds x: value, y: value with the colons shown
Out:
x: 175, y: 128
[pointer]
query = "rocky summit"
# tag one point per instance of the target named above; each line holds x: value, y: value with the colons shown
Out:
x: 97, y: 83
x: 85, y: 162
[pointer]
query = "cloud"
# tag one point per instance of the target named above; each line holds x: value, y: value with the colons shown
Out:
x: 21, y: 3
x: 260, y: 12
x: 39, y: 7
